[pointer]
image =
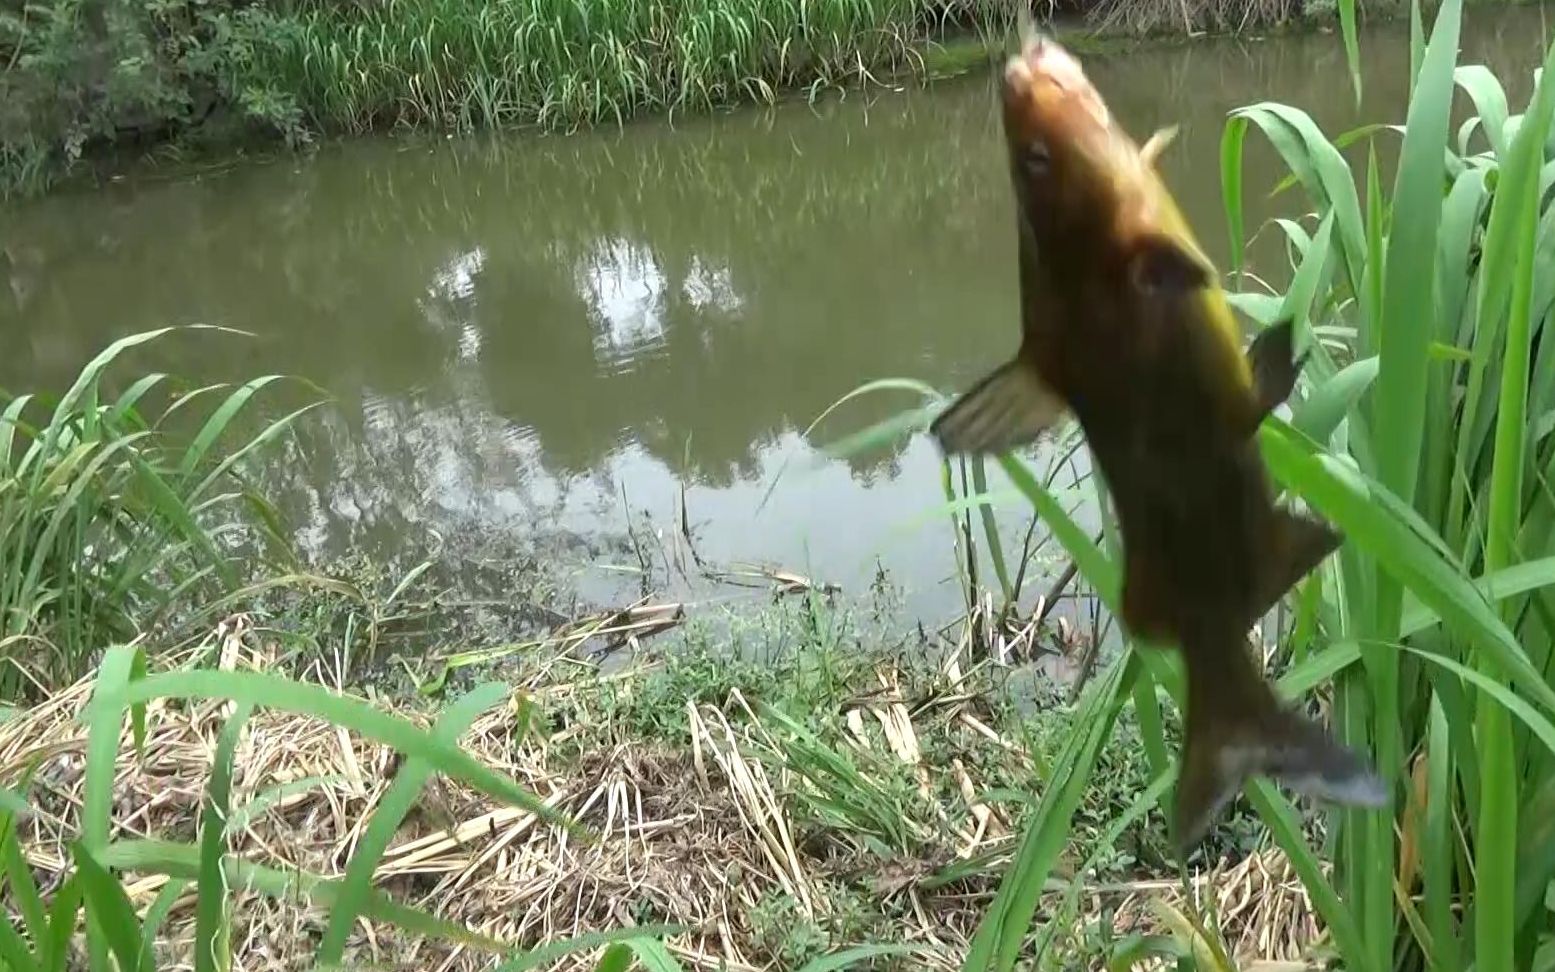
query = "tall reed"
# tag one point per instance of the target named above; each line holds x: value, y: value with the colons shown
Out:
x: 1423, y: 431
x: 463, y: 64
x: 107, y: 520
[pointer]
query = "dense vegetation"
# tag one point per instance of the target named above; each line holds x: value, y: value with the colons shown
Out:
x: 77, y: 76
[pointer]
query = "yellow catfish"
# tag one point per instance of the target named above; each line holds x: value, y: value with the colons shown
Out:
x: 1125, y: 327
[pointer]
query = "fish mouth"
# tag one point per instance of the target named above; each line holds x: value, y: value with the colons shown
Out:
x: 1043, y: 60
x: 1044, y: 72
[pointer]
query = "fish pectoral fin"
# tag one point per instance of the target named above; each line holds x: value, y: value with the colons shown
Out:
x: 1274, y: 365
x: 1156, y: 144
x: 1010, y: 407
x: 1297, y: 545
x: 1161, y: 264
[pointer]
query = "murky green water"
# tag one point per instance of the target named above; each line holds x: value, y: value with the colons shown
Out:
x: 537, y: 335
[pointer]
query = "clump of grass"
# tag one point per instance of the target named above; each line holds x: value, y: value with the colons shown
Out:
x: 1155, y: 16
x: 463, y: 64
x: 109, y: 519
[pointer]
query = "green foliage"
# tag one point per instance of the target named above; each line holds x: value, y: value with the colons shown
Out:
x: 1424, y: 433
x: 461, y: 64
x: 79, y: 73
x: 107, y: 518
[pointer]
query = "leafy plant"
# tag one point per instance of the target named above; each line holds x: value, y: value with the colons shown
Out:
x: 107, y: 519
x: 75, y: 74
x: 1424, y: 435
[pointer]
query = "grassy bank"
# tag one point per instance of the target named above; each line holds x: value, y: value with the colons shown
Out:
x: 785, y: 794
x: 81, y: 78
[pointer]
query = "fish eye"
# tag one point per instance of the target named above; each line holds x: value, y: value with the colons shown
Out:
x: 1035, y: 158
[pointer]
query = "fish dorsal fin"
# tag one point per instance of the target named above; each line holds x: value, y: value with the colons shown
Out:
x: 1156, y: 144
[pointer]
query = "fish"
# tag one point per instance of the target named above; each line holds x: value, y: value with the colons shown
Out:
x: 1125, y: 328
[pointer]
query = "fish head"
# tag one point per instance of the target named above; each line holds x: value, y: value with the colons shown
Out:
x: 1083, y: 187
x: 1061, y: 140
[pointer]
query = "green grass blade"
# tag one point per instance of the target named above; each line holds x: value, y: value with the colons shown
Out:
x: 14, y: 954
x: 390, y: 813
x: 1281, y: 818
x: 1152, y: 732
x: 262, y: 802
x: 1407, y: 312
x: 124, y: 407
x: 1309, y: 274
x: 183, y: 861
x: 9, y: 418
x: 1536, y: 853
x: 1232, y: 140
x: 272, y: 691
x: 997, y: 941
x: 1324, y: 175
x: 18, y: 877
x: 849, y: 957
x: 1150, y: 796
x: 879, y: 435
x: 63, y: 912
x: 266, y: 435
x: 1320, y: 413
x: 218, y: 421
x: 1352, y: 45
x: 1416, y: 44
x: 1352, y: 503
x: 1530, y: 575
x: 1100, y: 572
x: 1496, y: 827
x: 1437, y: 853
x: 156, y: 915
x: 617, y: 958
x: 212, y: 943
x: 1403, y: 337
x: 1489, y: 103
x: 654, y: 956
x: 1507, y: 700
x: 551, y: 951
x: 121, y: 668
x: 1318, y: 667
x: 991, y: 531
x: 110, y: 919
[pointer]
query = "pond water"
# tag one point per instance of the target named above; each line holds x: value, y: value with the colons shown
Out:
x: 566, y: 335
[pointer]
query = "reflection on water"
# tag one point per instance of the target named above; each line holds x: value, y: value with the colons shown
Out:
x: 560, y: 333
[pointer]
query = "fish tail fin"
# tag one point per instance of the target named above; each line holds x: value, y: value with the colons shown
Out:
x: 1009, y: 408
x: 1297, y: 544
x: 1237, y: 728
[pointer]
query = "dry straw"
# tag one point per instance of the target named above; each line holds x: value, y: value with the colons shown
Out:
x: 695, y: 835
